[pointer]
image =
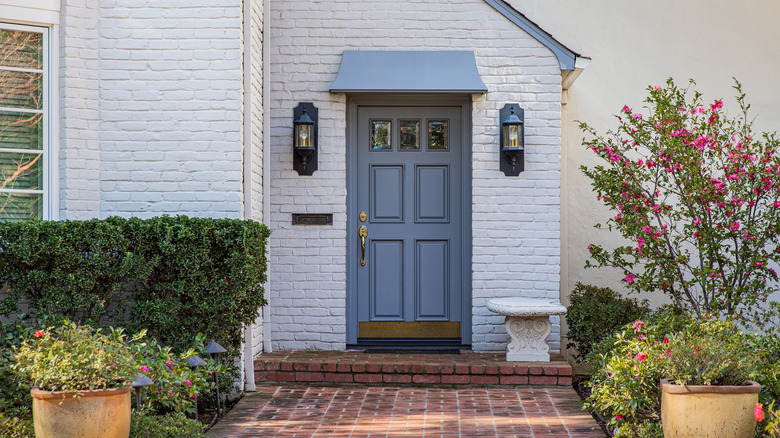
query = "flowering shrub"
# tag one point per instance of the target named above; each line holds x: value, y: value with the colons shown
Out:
x: 625, y: 386
x: 698, y: 196
x: 175, y: 382
x: 74, y: 358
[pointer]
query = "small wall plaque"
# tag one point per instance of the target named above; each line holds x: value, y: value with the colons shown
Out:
x: 312, y: 219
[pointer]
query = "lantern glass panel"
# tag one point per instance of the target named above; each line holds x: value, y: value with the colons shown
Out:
x: 513, y: 136
x: 304, y: 134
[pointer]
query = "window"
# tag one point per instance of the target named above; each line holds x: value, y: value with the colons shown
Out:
x: 24, y: 123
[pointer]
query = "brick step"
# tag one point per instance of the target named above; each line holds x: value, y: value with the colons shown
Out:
x: 400, y: 368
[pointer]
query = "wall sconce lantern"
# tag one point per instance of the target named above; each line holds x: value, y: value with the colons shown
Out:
x: 305, y: 138
x: 512, y: 140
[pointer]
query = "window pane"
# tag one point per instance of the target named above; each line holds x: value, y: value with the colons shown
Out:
x: 21, y: 206
x: 410, y: 134
x: 21, y: 171
x: 21, y: 130
x: 21, y: 89
x: 380, y: 134
x: 21, y: 49
x: 437, y: 134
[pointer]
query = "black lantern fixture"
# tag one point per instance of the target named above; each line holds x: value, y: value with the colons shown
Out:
x: 512, y: 140
x: 214, y: 348
x: 139, y: 382
x: 195, y: 361
x: 305, y: 138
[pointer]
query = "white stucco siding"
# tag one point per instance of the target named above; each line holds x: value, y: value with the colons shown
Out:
x: 170, y: 108
x: 515, y: 221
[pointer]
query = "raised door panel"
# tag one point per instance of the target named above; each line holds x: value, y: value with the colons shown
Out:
x: 386, y: 279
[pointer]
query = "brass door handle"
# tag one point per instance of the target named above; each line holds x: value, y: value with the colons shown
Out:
x: 363, y: 232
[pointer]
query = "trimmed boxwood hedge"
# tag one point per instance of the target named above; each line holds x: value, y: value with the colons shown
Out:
x: 174, y: 276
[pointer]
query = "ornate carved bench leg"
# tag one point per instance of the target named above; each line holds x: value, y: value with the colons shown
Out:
x: 528, y: 335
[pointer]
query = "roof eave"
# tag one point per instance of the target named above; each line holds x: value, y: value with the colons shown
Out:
x: 571, y: 62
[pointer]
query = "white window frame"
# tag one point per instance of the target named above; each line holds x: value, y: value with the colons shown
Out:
x: 50, y: 111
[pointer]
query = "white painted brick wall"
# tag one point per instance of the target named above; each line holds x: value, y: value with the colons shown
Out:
x: 516, y: 225
x: 170, y: 108
x: 79, y: 116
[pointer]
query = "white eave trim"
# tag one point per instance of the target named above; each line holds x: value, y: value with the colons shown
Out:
x: 38, y: 12
x: 569, y: 76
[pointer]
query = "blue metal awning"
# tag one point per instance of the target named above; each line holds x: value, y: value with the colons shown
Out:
x: 408, y: 71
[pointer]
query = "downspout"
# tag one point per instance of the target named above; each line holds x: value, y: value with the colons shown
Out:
x: 249, y: 370
x: 267, y: 158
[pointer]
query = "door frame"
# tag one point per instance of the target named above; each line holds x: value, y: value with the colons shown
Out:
x: 405, y: 100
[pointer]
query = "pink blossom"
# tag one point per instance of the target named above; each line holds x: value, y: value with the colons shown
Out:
x: 758, y: 264
x: 188, y: 382
x: 734, y: 226
x: 758, y: 412
x: 656, y: 88
x: 630, y: 278
x: 619, y: 417
x: 637, y: 325
x: 637, y: 116
x: 144, y: 368
x: 626, y: 108
x: 641, y: 357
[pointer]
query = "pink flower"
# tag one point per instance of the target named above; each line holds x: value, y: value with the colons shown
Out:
x: 666, y: 340
x: 777, y: 203
x: 626, y: 108
x: 144, y: 368
x: 637, y: 325
x: 630, y: 278
x: 758, y: 412
x: 193, y: 395
x: 758, y: 264
x: 188, y: 383
x: 641, y: 357
x: 38, y: 333
x: 637, y: 116
x: 656, y: 88
x: 619, y: 417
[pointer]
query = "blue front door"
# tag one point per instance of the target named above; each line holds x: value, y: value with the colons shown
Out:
x: 409, y: 227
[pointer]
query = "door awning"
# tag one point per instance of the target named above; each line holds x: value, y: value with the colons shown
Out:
x: 408, y: 71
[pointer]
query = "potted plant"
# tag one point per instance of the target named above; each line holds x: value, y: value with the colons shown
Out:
x: 81, y: 381
x: 707, y: 390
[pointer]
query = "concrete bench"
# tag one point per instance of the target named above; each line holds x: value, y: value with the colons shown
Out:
x: 528, y: 325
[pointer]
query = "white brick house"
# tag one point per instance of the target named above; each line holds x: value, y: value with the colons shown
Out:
x: 170, y: 107
x: 144, y: 108
x: 173, y: 107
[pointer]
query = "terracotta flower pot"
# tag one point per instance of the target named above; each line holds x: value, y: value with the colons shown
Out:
x: 708, y: 411
x: 100, y: 413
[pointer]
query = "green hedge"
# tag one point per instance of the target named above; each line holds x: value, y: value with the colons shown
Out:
x: 174, y: 276
x: 595, y: 313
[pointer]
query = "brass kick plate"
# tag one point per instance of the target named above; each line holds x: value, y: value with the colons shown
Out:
x: 402, y: 329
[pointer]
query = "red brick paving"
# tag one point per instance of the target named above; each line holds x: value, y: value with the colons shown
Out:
x: 350, y: 411
x: 424, y: 369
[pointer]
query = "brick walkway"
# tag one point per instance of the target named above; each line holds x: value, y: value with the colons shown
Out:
x: 352, y: 411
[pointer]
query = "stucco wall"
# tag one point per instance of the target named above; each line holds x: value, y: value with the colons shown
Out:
x: 515, y: 220
x: 634, y: 45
